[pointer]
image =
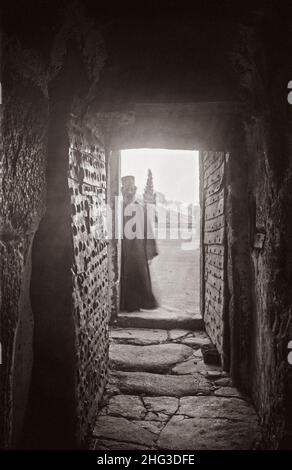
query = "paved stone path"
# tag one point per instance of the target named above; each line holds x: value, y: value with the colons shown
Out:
x: 161, y: 395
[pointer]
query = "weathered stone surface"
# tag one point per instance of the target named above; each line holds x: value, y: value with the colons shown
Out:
x: 161, y: 318
x: 198, y: 353
x: 105, y: 444
x: 217, y: 407
x: 127, y: 406
x: 161, y: 417
x: 153, y: 426
x: 138, y: 336
x: 191, y: 366
x: 196, y: 340
x: 167, y: 405
x: 224, y: 382
x: 210, y: 434
x: 214, y: 236
x: 228, y: 392
x: 143, y: 383
x: 156, y: 358
x: 120, y: 429
x: 177, y: 334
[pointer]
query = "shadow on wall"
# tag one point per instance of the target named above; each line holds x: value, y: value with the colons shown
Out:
x: 51, y: 418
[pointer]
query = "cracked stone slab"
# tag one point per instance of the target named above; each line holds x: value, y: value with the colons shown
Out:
x: 191, y: 366
x: 224, y: 382
x: 177, y: 334
x: 196, y: 339
x: 228, y: 392
x: 166, y: 405
x: 139, y: 336
x: 128, y: 406
x: 156, y: 358
x: 207, y: 434
x: 153, y: 426
x: 120, y: 429
x: 143, y: 383
x: 196, y: 364
x: 160, y: 417
x: 217, y: 407
x: 107, y: 444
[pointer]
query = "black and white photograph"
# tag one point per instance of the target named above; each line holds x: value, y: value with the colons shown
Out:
x: 145, y: 231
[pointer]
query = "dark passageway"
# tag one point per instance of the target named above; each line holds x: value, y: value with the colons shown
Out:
x: 167, y: 389
x: 81, y: 86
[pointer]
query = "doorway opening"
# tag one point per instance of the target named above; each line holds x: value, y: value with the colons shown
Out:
x: 186, y: 191
x: 167, y: 184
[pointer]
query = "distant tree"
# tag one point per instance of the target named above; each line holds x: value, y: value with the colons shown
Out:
x: 149, y: 194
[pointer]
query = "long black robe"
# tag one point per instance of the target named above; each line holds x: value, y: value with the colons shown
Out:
x: 136, y: 288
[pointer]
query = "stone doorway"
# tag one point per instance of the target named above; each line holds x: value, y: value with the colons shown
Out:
x: 175, y: 271
x: 192, y: 277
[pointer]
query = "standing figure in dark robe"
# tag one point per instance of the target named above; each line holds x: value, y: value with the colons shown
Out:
x: 138, y: 248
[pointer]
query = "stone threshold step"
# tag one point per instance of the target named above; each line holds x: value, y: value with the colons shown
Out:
x: 159, y: 358
x: 149, y: 384
x: 160, y: 319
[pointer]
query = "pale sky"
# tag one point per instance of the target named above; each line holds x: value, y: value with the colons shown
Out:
x: 175, y: 172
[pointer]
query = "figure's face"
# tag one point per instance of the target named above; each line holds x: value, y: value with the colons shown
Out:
x: 128, y: 193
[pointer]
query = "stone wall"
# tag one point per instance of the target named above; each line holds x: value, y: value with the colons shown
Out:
x: 54, y: 362
x: 270, y: 373
x: 70, y: 264
x: 264, y: 74
x: 87, y: 184
x: 214, y: 246
x: 23, y: 158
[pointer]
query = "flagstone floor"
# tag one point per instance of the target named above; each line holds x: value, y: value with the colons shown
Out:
x: 162, y: 395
